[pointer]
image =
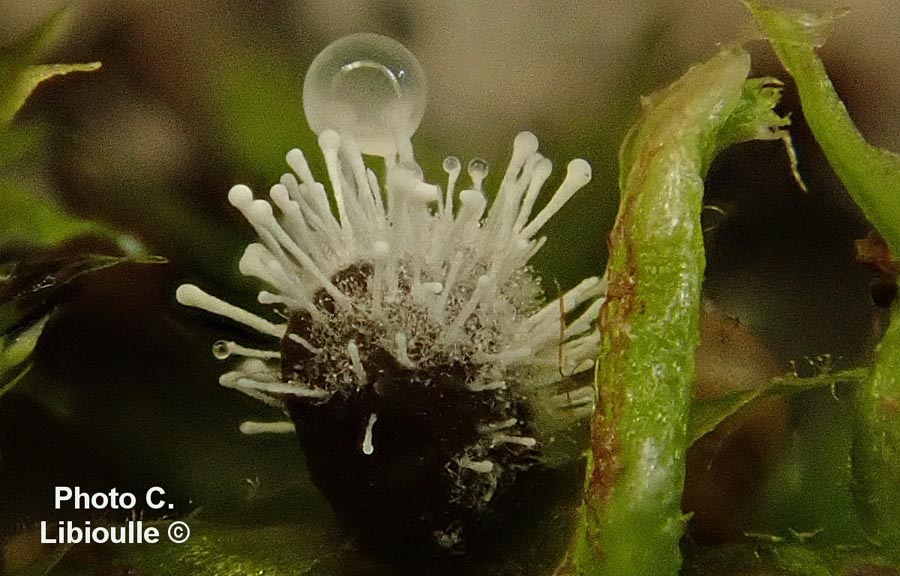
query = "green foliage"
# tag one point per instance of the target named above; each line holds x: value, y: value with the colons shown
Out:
x: 29, y: 291
x: 706, y: 415
x: 15, y: 350
x: 215, y: 550
x: 876, y: 448
x: 754, y: 117
x: 632, y: 517
x: 639, y: 433
x: 30, y: 288
x: 29, y: 78
x: 29, y: 220
x: 211, y: 550
x: 19, y: 76
x: 871, y: 174
x: 872, y: 178
x: 632, y: 521
x: 793, y: 556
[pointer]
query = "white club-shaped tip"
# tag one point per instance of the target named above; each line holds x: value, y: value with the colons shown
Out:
x: 527, y: 142
x: 240, y: 196
x: 279, y: 194
x: 543, y: 169
x: 329, y: 140
x: 260, y: 209
x: 452, y: 165
x: 294, y: 155
x: 579, y: 171
x: 189, y: 295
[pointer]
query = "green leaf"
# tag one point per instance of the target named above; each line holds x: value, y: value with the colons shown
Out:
x: 632, y: 521
x: 30, y: 220
x: 871, y: 174
x: 27, y: 219
x: 215, y: 549
x: 19, y: 75
x: 29, y: 78
x: 15, y: 351
x: 876, y: 441
x: 755, y: 118
x: 872, y: 178
x: 29, y: 291
x: 776, y: 555
x: 707, y: 415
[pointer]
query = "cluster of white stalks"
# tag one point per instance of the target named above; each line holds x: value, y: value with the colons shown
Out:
x: 441, y: 278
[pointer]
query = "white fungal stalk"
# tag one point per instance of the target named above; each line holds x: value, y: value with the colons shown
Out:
x: 448, y: 280
x: 412, y: 332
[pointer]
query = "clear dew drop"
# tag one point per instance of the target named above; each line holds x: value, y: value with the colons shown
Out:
x: 221, y: 350
x: 368, y: 86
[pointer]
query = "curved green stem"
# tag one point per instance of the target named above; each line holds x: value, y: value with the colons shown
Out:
x: 632, y: 521
x: 872, y: 178
x: 876, y: 443
x: 871, y: 174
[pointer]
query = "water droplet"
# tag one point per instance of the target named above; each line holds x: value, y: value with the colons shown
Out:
x: 221, y: 349
x: 368, y: 85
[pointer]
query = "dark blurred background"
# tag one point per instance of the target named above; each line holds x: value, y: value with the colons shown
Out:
x: 197, y: 95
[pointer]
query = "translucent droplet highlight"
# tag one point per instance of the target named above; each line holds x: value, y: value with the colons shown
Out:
x: 221, y: 350
x: 368, y: 86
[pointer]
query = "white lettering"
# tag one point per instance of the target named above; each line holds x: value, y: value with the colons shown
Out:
x: 45, y: 539
x: 79, y: 500
x: 151, y: 501
x: 60, y: 491
x: 67, y: 532
x: 127, y: 501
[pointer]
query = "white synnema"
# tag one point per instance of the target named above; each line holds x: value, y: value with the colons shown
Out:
x: 446, y: 280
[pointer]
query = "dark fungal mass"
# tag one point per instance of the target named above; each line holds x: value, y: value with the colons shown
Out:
x: 434, y: 482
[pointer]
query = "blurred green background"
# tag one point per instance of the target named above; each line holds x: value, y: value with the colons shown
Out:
x: 197, y: 95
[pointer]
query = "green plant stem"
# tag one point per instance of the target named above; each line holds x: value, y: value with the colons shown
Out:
x: 632, y: 519
x: 871, y: 174
x: 872, y: 177
x: 876, y: 442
